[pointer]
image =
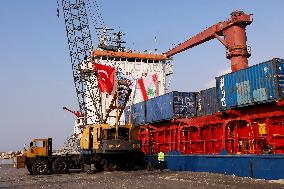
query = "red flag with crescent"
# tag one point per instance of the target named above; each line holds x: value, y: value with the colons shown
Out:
x: 105, y: 77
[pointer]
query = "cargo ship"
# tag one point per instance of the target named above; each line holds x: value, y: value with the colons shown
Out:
x: 235, y: 128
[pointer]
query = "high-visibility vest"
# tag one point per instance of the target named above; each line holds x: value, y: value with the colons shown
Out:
x: 161, y: 156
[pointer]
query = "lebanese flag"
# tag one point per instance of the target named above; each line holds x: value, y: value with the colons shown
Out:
x: 142, y: 88
x: 155, y: 80
x: 105, y: 77
x: 149, y: 86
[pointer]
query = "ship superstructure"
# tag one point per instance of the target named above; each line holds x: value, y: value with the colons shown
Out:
x: 147, y: 72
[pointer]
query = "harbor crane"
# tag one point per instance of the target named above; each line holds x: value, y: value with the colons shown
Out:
x: 234, y: 39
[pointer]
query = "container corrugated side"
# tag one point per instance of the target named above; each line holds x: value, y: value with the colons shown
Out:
x: 207, y: 102
x: 138, y: 114
x: 256, y: 84
x: 171, y: 105
x: 159, y: 108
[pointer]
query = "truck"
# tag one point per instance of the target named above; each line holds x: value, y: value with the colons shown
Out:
x: 98, y: 149
x: 39, y: 160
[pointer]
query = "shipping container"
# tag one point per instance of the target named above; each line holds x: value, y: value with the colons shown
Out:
x: 138, y: 114
x: 207, y: 102
x: 170, y: 106
x: 257, y: 84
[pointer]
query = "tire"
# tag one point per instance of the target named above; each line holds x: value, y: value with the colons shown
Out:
x: 29, y: 167
x: 40, y: 167
x: 60, y: 166
x: 110, y: 166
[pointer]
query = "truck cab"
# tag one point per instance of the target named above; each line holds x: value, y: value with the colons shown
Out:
x: 39, y: 147
x: 39, y: 160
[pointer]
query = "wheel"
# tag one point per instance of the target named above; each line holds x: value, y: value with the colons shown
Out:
x: 29, y: 167
x: 40, y: 167
x: 110, y: 166
x: 60, y: 166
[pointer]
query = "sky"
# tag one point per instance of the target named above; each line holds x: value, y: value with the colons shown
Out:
x: 36, y: 77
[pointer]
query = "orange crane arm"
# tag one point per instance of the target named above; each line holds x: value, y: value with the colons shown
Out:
x: 76, y: 113
x: 234, y: 40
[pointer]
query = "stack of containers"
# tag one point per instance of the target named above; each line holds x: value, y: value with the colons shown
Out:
x: 138, y: 114
x: 165, y: 107
x: 207, y: 102
x: 170, y: 106
x: 260, y: 83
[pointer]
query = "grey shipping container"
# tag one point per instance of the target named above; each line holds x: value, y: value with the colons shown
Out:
x: 138, y: 114
x: 207, y: 102
x: 171, y: 105
x: 257, y: 84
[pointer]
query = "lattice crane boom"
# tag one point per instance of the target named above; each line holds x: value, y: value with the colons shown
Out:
x: 80, y: 48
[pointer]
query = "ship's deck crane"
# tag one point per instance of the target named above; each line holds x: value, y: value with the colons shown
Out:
x: 234, y: 40
x: 76, y: 113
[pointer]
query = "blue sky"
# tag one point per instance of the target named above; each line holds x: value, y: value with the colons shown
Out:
x: 36, y: 77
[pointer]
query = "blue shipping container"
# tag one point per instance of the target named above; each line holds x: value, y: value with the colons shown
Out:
x: 257, y: 84
x: 138, y: 114
x: 171, y: 105
x: 207, y: 102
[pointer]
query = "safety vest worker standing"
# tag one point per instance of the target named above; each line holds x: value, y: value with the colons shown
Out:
x: 161, y: 159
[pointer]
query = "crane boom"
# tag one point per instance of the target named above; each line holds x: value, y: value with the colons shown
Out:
x: 81, y: 47
x: 76, y: 113
x: 234, y: 40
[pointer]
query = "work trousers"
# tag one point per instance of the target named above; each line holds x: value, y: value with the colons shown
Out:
x: 161, y: 164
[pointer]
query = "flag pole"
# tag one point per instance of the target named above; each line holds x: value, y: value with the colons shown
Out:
x: 116, y: 115
x: 130, y: 118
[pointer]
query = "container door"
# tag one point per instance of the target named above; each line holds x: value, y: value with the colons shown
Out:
x: 280, y: 77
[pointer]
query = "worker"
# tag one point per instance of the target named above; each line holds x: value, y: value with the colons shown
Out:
x: 161, y: 159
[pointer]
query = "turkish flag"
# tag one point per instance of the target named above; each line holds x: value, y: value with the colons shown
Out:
x: 105, y: 77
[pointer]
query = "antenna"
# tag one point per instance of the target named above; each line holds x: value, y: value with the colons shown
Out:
x: 118, y: 40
